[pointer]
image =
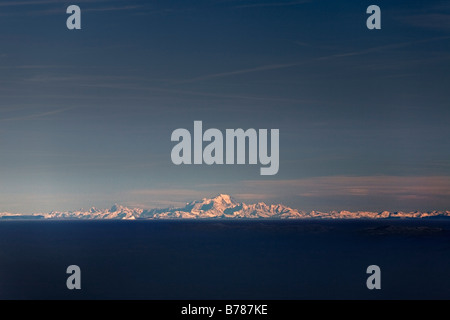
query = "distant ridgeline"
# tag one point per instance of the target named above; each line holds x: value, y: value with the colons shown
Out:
x: 223, y: 207
x: 22, y: 217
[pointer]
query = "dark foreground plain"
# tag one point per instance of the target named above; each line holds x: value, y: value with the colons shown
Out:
x: 221, y: 259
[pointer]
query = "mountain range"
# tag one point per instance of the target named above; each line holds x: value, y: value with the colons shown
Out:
x: 221, y: 206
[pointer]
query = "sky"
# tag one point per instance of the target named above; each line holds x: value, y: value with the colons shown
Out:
x: 86, y: 115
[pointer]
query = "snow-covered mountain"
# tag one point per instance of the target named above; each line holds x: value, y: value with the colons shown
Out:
x: 115, y: 212
x: 221, y: 206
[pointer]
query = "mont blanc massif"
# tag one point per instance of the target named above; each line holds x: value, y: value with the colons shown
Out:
x: 221, y: 206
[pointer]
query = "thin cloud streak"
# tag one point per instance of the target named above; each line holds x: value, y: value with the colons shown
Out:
x: 41, y: 2
x: 296, y: 64
x: 238, y: 72
x: 395, y: 186
x: 436, y: 21
x: 27, y: 3
x: 100, y: 9
x: 36, y: 115
x: 46, y: 7
x: 272, y: 4
x: 153, y: 198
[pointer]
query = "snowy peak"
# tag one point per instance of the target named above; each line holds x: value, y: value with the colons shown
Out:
x: 206, y: 208
x: 220, y: 202
x: 224, y: 199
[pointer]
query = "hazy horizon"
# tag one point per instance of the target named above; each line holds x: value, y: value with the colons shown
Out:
x: 197, y: 206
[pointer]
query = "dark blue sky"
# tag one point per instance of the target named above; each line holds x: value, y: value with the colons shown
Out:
x: 86, y: 115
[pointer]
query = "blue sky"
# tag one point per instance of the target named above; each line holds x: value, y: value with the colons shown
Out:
x: 86, y: 115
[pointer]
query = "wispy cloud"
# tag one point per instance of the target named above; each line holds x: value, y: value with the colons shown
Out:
x: 174, y: 193
x: 436, y: 21
x: 35, y: 115
x: 50, y: 7
x: 151, y: 198
x: 27, y: 3
x: 251, y: 196
x: 381, y: 48
x: 97, y: 9
x: 272, y: 4
x: 44, y: 2
x: 240, y: 71
x: 36, y: 66
x: 222, y: 96
x: 278, y: 66
x: 116, y: 8
x: 392, y: 186
x: 83, y: 78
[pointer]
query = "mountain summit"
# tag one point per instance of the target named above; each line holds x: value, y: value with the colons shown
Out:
x: 224, y: 199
